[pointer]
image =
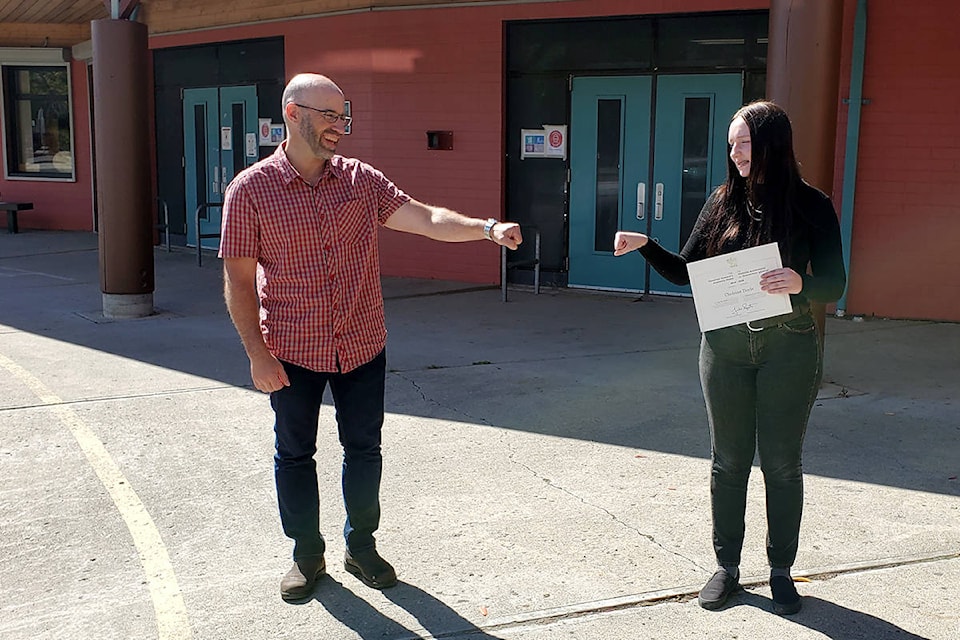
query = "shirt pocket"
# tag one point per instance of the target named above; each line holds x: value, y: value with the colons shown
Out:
x: 356, y: 224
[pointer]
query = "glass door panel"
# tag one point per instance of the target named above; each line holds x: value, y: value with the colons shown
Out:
x: 201, y: 155
x: 690, y: 155
x: 609, y: 165
x: 220, y: 140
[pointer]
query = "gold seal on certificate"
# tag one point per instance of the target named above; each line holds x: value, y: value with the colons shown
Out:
x: 726, y: 288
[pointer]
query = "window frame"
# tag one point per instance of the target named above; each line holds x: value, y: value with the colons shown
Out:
x: 33, y: 58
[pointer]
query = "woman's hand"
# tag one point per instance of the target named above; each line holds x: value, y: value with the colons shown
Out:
x: 784, y: 280
x: 627, y: 241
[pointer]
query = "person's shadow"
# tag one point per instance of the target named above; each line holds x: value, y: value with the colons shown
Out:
x: 434, y: 616
x: 833, y: 620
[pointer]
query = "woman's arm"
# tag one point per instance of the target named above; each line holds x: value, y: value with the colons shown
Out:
x: 827, y: 278
x: 673, y: 266
x: 670, y: 265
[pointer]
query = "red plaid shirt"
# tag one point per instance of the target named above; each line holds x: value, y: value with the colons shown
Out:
x: 318, y: 276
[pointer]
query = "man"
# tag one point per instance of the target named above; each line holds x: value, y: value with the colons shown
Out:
x: 302, y: 285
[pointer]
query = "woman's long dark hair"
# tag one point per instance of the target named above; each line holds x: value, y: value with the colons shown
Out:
x: 767, y: 193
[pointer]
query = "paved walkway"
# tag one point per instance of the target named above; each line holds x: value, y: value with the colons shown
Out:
x: 546, y: 471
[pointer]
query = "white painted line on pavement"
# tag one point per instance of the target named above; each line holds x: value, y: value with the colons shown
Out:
x: 171, y: 612
x: 21, y: 272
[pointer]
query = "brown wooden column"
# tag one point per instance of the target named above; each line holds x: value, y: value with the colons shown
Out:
x: 120, y: 93
x: 803, y: 75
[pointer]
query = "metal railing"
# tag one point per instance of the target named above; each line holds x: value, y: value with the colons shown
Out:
x: 203, y: 236
x: 164, y: 227
x: 511, y: 264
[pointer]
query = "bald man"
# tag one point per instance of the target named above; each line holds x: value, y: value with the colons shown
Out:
x: 302, y: 285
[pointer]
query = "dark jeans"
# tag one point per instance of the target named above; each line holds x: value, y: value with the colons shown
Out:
x: 759, y: 387
x: 358, y: 398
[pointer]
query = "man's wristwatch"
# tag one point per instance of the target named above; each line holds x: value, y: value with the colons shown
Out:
x: 488, y: 228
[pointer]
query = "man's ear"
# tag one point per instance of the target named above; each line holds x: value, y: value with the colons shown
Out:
x: 291, y: 112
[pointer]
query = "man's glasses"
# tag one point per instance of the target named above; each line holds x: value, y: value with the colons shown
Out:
x: 329, y: 115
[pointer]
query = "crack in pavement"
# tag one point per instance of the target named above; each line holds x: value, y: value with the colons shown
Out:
x: 130, y: 396
x: 662, y: 596
x: 612, y: 516
x: 512, y: 457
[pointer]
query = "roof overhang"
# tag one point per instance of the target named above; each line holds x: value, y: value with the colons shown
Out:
x: 29, y: 23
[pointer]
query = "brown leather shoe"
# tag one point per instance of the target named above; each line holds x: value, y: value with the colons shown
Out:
x: 298, y: 583
x: 373, y: 571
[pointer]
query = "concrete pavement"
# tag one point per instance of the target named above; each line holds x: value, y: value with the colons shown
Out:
x: 546, y: 471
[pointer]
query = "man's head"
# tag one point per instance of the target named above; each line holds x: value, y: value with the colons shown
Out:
x: 310, y: 102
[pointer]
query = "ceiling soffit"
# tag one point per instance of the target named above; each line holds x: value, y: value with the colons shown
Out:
x: 64, y: 23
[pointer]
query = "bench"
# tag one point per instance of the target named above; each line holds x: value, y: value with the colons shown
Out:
x: 12, y: 209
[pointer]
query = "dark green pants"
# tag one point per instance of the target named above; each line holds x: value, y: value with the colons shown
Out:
x: 759, y: 387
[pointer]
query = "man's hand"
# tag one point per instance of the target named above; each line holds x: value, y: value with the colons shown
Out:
x: 268, y: 373
x: 507, y: 234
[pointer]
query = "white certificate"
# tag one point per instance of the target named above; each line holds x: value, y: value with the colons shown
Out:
x: 726, y: 288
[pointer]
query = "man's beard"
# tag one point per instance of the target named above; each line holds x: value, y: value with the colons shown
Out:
x: 309, y: 134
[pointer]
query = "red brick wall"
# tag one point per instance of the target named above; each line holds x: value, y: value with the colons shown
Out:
x: 407, y: 72
x: 421, y: 71
x: 60, y: 205
x: 905, y: 260
x: 410, y: 71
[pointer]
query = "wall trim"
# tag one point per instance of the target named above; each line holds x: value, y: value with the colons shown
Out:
x: 343, y: 12
x: 83, y: 51
x: 34, y: 55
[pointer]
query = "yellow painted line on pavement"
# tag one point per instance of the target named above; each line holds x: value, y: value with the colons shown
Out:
x: 171, y: 612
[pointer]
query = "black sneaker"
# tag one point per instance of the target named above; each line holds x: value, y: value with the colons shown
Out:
x: 718, y: 588
x: 373, y: 571
x: 786, y: 600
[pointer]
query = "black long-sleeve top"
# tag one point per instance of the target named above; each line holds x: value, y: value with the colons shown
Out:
x: 815, y: 240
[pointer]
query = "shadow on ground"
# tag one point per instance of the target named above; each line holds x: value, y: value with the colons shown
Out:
x: 437, y: 618
x: 832, y: 620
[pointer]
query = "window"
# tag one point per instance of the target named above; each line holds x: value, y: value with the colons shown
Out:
x: 36, y: 109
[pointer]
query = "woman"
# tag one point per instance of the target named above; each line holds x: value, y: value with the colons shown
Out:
x: 760, y: 379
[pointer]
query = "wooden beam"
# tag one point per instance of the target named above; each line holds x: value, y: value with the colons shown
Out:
x: 126, y: 8
x: 14, y: 34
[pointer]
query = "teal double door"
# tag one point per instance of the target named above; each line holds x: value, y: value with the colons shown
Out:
x: 644, y: 154
x: 220, y: 139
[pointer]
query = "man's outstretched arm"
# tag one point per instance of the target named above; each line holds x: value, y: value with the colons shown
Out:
x: 446, y: 225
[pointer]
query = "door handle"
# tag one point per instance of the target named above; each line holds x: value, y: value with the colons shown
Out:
x: 223, y: 183
x: 216, y: 179
x: 658, y: 203
x: 641, y: 200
